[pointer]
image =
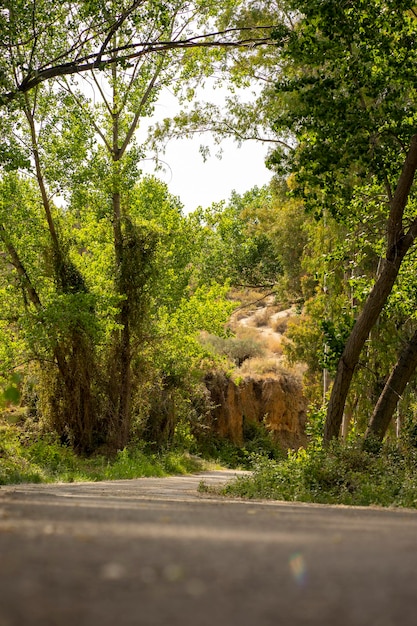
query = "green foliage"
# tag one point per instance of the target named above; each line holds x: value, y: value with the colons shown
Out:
x: 207, y: 309
x: 342, y: 474
x: 257, y: 444
x: 28, y: 457
x: 224, y: 452
x: 10, y: 390
x: 334, y: 340
x: 254, y: 240
x: 97, y: 262
x: 237, y: 349
x: 231, y: 248
x: 347, y: 94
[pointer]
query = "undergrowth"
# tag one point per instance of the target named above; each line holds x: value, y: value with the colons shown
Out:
x: 342, y: 474
x: 257, y: 441
x: 24, y: 458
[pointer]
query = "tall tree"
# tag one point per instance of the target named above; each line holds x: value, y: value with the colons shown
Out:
x: 348, y: 98
x: 78, y: 142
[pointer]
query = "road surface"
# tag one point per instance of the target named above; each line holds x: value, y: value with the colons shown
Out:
x: 153, y: 552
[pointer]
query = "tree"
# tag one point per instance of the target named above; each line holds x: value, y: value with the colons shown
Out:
x: 78, y: 37
x: 394, y: 387
x: 232, y: 245
x: 347, y: 97
x: 95, y: 296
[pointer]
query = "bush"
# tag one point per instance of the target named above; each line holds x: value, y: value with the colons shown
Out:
x: 263, y: 316
x: 258, y: 442
x: 32, y: 458
x: 236, y: 349
x: 342, y: 474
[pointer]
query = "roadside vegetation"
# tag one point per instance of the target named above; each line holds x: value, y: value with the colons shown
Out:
x: 344, y: 473
x: 27, y: 458
x: 28, y: 455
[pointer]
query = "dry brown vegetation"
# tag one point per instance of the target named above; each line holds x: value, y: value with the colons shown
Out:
x: 264, y: 325
x: 263, y: 316
x: 250, y: 301
x: 274, y: 344
x: 280, y: 324
x: 262, y: 367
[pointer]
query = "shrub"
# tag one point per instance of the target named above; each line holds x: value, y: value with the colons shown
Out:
x: 263, y: 316
x: 32, y: 458
x: 342, y: 474
x: 274, y: 344
x: 280, y: 324
x: 238, y: 349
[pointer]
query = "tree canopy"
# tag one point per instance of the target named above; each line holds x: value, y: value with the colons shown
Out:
x: 347, y: 97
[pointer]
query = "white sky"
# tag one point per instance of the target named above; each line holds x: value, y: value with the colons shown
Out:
x: 198, y: 182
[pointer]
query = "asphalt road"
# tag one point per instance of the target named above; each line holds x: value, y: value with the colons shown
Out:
x: 152, y: 552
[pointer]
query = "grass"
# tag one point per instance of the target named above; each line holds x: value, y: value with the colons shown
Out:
x: 262, y: 367
x: 31, y: 459
x: 342, y: 474
x: 273, y: 344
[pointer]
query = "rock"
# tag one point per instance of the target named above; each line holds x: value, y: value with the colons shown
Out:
x: 277, y: 402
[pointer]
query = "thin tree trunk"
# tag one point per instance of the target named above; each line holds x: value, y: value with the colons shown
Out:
x: 124, y: 356
x: 393, y: 390
x: 398, y: 245
x: 360, y: 332
x: 41, y: 183
x: 20, y: 269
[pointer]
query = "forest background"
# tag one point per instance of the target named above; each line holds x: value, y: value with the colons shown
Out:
x: 107, y: 286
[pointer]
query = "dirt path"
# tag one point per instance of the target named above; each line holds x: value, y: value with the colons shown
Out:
x: 154, y: 552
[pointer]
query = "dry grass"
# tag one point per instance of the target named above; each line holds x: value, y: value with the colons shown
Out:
x: 280, y: 324
x: 249, y: 301
x: 265, y: 326
x: 248, y: 332
x: 262, y: 317
x: 261, y: 367
x: 247, y: 297
x: 273, y: 344
x: 238, y: 349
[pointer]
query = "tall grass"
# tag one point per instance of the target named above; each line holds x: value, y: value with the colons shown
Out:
x: 35, y: 460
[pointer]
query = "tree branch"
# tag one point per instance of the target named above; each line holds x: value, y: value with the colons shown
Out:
x: 113, y: 30
x: 138, y: 113
x: 133, y: 51
x: 401, y: 194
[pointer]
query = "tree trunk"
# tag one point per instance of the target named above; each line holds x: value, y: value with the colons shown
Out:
x: 398, y: 245
x: 394, y: 388
x: 350, y: 357
x: 122, y: 400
